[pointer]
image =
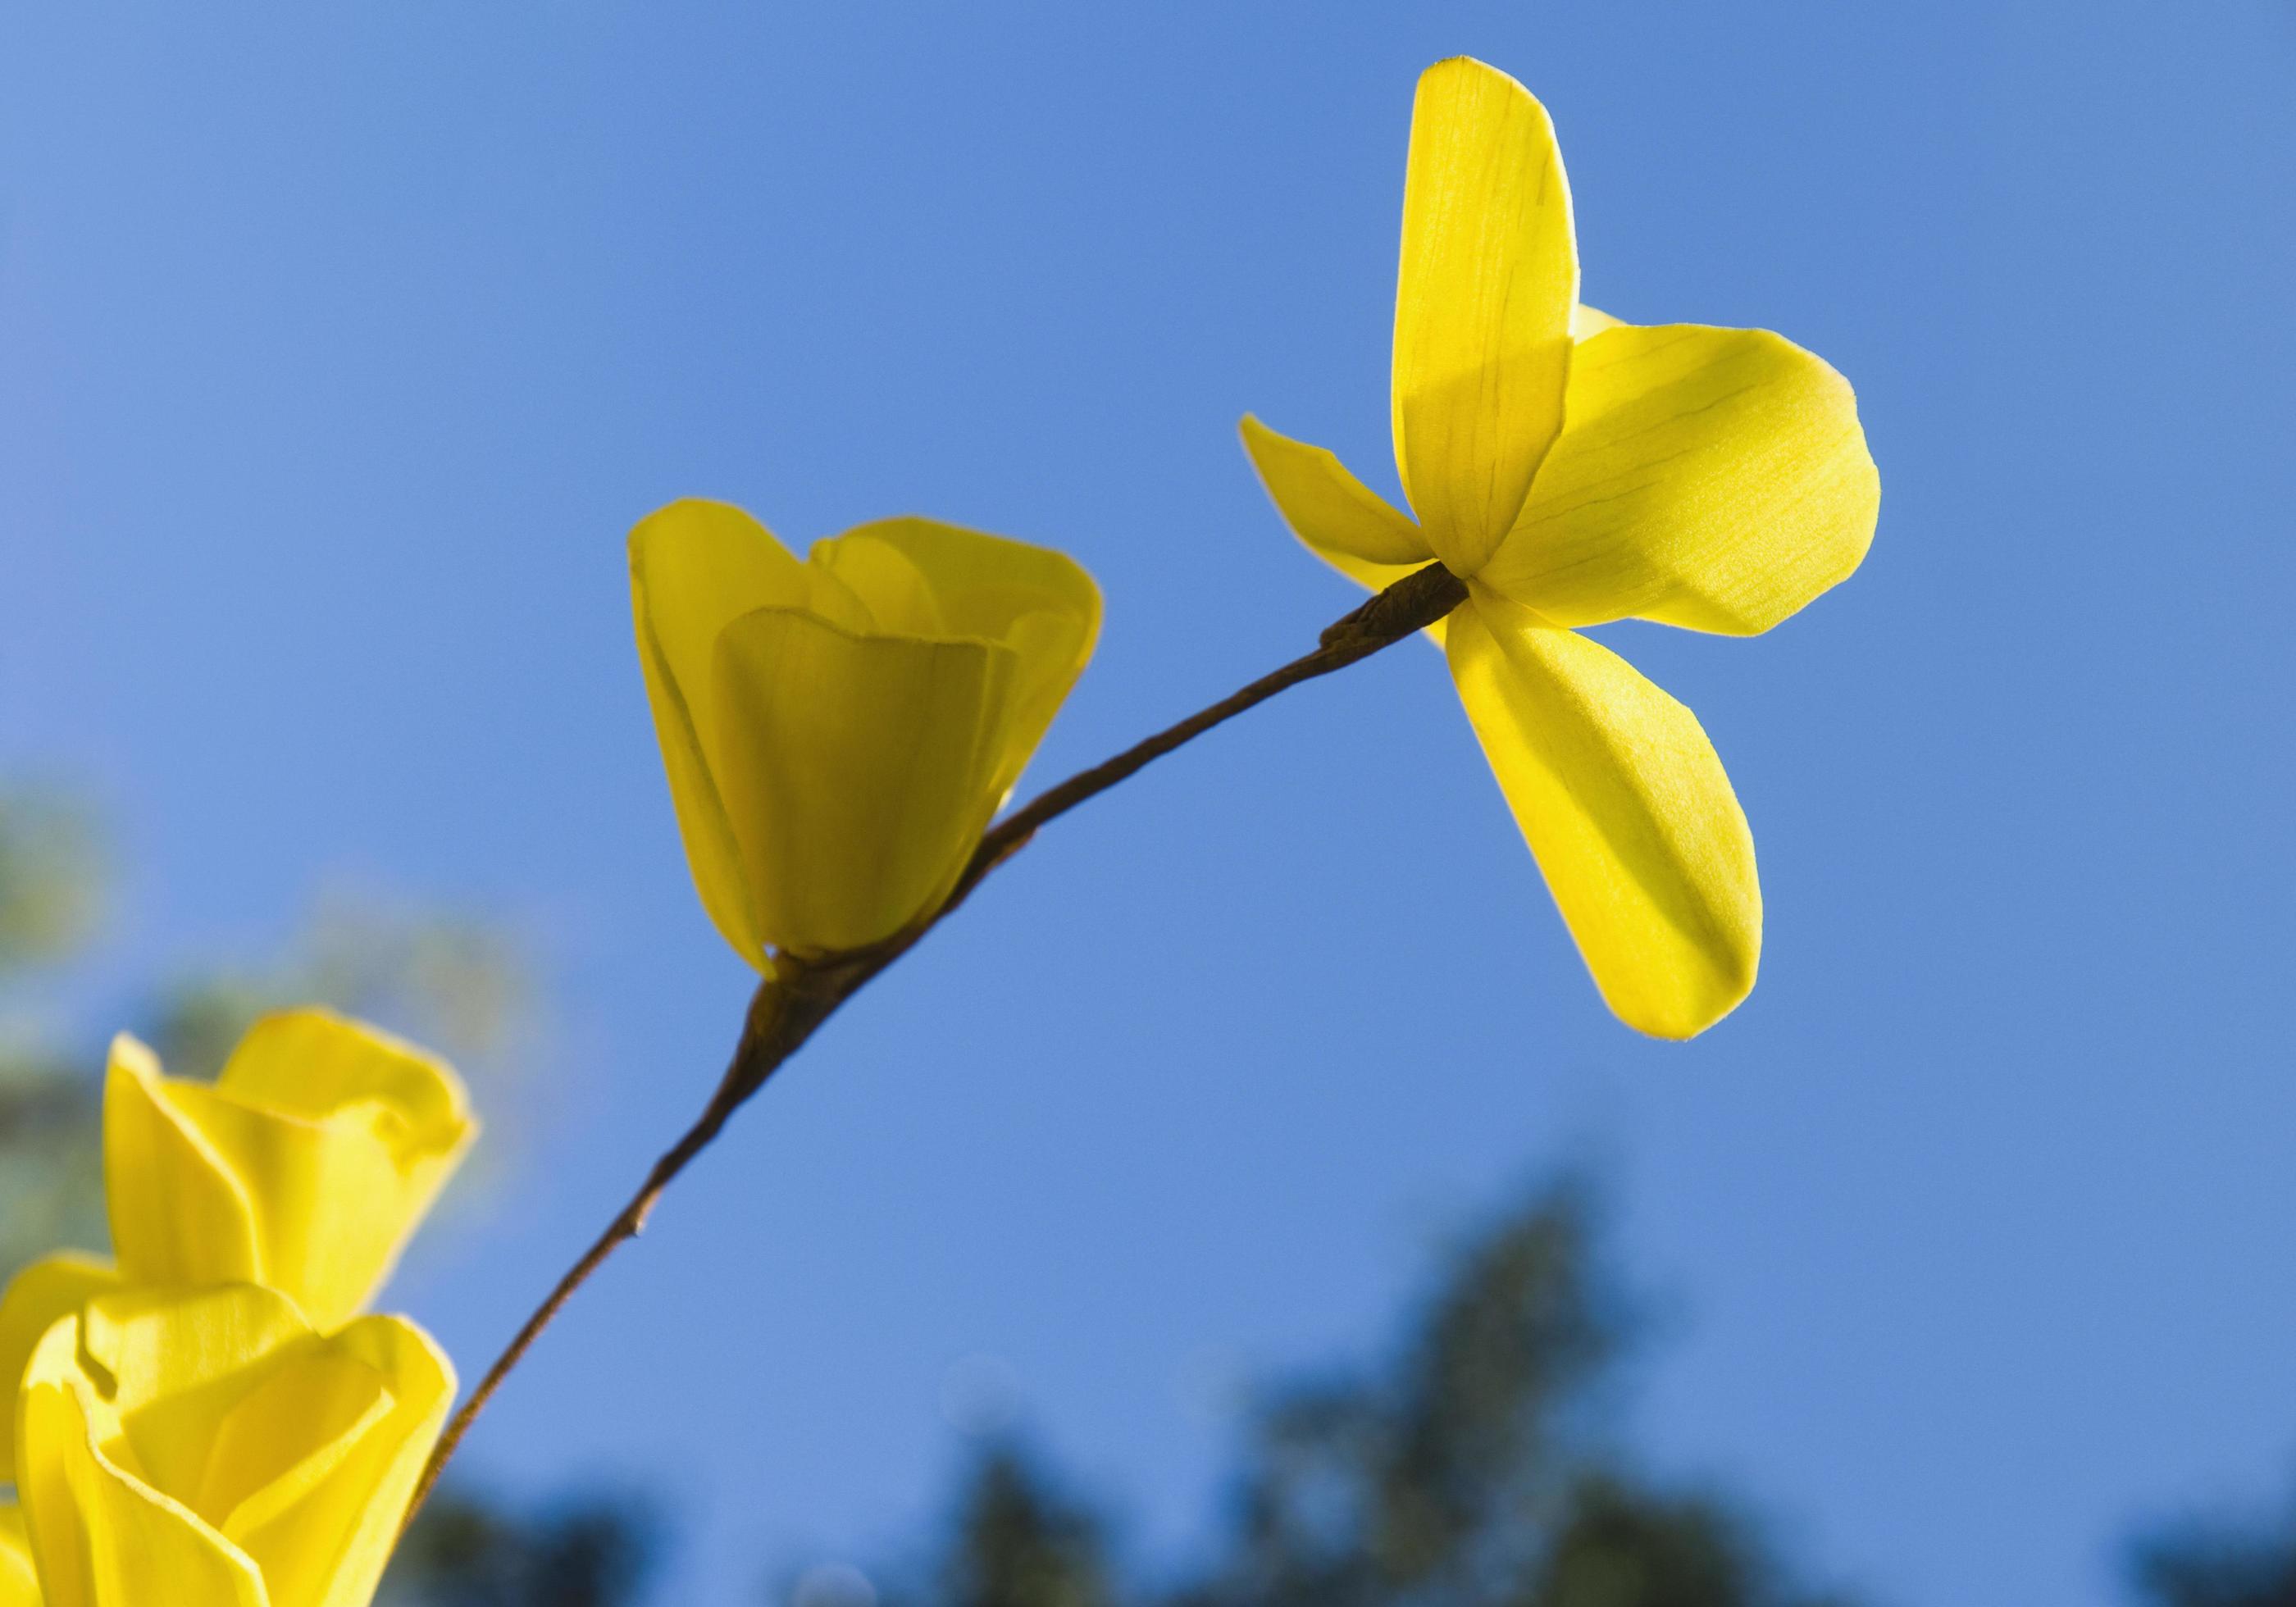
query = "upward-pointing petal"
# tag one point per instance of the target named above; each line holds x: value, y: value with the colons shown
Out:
x: 1483, y: 300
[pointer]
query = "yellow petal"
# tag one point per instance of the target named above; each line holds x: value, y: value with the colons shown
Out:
x: 180, y: 1213
x: 323, y: 1531
x: 1336, y: 516
x: 1039, y: 602
x: 858, y: 771
x: 305, y: 1169
x: 343, y: 1135
x: 1328, y: 508
x: 1483, y: 305
x: 102, y: 1536
x: 1715, y: 479
x: 695, y: 567
x: 1627, y: 809
x: 267, y: 1444
x: 894, y: 597
x: 43, y: 1295
x: 1586, y: 322
x: 20, y: 1583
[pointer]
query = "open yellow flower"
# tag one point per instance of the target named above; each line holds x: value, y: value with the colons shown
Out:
x: 1573, y: 470
x: 303, y: 1166
x: 840, y: 731
x: 208, y: 1448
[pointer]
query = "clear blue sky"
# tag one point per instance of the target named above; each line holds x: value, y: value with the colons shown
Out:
x: 340, y: 346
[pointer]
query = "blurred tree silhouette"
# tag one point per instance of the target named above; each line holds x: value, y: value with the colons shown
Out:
x: 469, y: 1552
x: 1020, y: 1543
x: 2217, y: 1563
x: 1472, y: 1470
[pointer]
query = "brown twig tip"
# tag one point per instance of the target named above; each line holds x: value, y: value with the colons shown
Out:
x: 1413, y: 602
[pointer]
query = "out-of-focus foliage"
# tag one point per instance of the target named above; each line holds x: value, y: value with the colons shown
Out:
x: 459, y: 984
x: 2218, y: 1564
x: 50, y: 885
x: 464, y: 1551
x: 1472, y: 1470
x: 1020, y: 1543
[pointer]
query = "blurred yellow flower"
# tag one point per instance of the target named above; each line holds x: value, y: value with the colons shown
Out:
x: 208, y: 1448
x: 1573, y: 470
x: 304, y: 1168
x: 839, y: 731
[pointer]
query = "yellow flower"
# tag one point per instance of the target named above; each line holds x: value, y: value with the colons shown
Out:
x: 208, y: 1448
x: 839, y: 731
x: 1573, y: 470
x: 305, y: 1168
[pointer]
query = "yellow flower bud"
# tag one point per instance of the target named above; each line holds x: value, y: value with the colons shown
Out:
x: 208, y: 1448
x: 839, y: 731
x: 304, y: 1168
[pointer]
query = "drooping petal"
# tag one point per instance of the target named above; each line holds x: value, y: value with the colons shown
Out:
x: 1483, y: 303
x: 19, y: 1581
x: 859, y: 771
x: 179, y: 1213
x: 1627, y: 809
x: 1716, y: 478
x: 1039, y: 602
x: 37, y: 1298
x: 695, y: 567
x: 101, y: 1535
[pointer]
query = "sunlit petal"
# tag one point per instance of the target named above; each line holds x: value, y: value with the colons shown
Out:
x: 1627, y: 809
x: 37, y: 1298
x: 857, y: 770
x: 179, y: 1213
x: 1327, y: 507
x: 1488, y: 278
x: 1587, y: 322
x: 1039, y: 602
x: 1716, y: 478
x: 20, y: 1582
x: 695, y: 567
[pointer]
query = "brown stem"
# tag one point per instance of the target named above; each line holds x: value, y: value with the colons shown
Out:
x: 791, y: 1002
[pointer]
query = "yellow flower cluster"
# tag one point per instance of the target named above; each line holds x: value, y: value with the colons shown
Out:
x: 207, y: 1421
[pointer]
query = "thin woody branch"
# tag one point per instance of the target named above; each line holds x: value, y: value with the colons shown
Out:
x: 800, y: 996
